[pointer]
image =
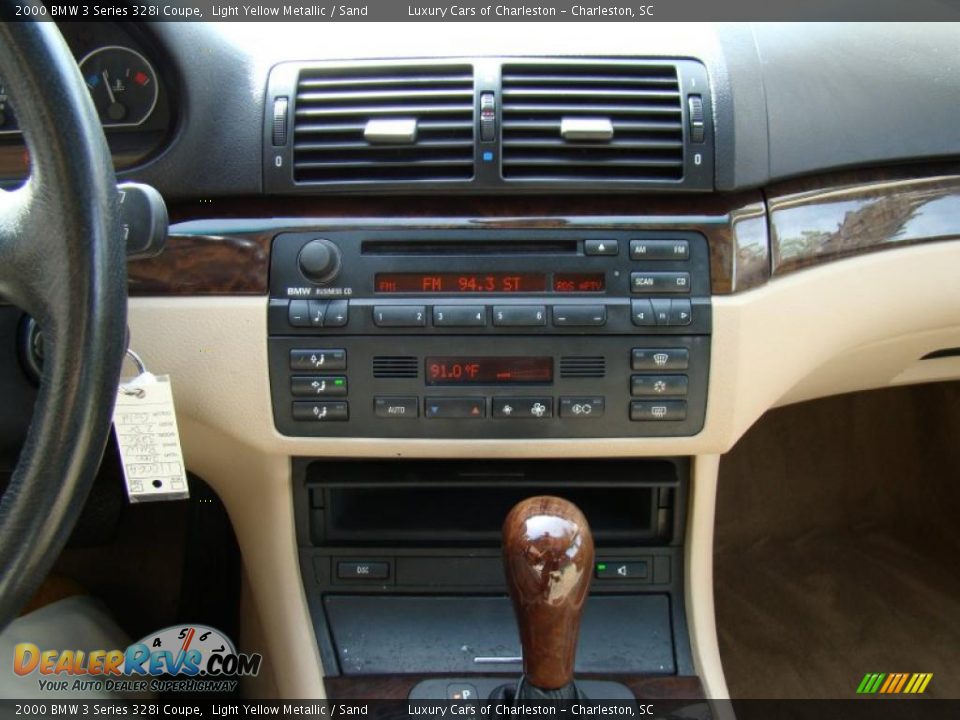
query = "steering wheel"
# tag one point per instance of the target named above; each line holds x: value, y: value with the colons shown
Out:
x: 62, y: 260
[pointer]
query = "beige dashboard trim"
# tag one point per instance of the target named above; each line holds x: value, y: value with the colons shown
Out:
x: 808, y: 334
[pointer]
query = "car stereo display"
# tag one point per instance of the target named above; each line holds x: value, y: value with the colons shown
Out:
x: 491, y: 282
x: 475, y: 370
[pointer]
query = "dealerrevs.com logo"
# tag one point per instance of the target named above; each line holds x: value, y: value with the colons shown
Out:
x: 186, y: 658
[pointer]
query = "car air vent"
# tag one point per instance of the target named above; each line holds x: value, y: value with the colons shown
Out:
x: 381, y: 124
x: 583, y: 366
x: 395, y: 366
x: 582, y: 122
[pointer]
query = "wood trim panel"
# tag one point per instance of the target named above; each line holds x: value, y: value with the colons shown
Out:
x: 815, y: 221
x: 397, y: 687
x: 237, y: 263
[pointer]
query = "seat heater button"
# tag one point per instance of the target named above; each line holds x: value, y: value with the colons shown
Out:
x: 318, y: 386
x: 318, y: 360
x: 321, y: 411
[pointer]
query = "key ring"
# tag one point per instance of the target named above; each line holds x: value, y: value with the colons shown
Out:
x: 129, y: 389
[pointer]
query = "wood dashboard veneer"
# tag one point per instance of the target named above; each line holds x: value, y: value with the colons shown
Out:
x: 397, y: 687
x: 237, y: 263
x: 812, y: 222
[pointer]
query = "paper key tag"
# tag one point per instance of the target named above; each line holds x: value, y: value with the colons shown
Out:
x: 146, y: 428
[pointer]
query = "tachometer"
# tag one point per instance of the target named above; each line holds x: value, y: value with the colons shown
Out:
x: 123, y: 85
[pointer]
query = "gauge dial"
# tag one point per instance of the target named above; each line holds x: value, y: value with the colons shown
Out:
x: 123, y: 85
x: 8, y: 123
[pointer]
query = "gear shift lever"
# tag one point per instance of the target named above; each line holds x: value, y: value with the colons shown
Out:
x: 548, y: 559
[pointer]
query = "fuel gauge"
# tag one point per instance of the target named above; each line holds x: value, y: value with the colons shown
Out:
x: 122, y: 83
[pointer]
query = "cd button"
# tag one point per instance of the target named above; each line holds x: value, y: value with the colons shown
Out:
x: 582, y: 408
x: 601, y: 247
x: 519, y: 315
x: 400, y: 315
x: 459, y: 316
x: 660, y: 282
x: 524, y: 408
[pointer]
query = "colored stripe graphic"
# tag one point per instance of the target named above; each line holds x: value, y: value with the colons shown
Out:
x: 894, y: 683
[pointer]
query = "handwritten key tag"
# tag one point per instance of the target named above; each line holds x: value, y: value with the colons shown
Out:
x: 146, y: 427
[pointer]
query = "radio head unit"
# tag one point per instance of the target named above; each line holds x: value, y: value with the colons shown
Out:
x: 489, y: 333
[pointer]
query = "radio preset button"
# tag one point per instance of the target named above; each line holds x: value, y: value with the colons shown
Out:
x: 523, y: 408
x: 321, y: 411
x: 318, y: 386
x: 519, y: 315
x: 298, y: 313
x: 659, y: 385
x: 471, y: 408
x: 659, y: 250
x: 659, y: 359
x: 583, y: 408
x: 397, y: 408
x: 321, y: 360
x: 601, y: 247
x: 579, y: 315
x: 400, y: 315
x: 658, y: 410
x: 642, y: 313
x: 459, y: 316
x: 660, y: 282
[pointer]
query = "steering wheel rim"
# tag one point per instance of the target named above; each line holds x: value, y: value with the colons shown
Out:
x: 62, y: 260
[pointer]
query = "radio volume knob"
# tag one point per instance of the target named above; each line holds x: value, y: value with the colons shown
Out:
x: 320, y: 260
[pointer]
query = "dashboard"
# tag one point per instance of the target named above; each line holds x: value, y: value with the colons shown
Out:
x: 394, y: 256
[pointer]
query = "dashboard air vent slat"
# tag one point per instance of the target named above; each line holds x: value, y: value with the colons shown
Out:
x: 395, y: 366
x: 641, y: 101
x: 583, y: 366
x: 334, y: 109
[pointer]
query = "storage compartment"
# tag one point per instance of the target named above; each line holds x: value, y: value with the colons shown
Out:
x: 389, y: 634
x: 442, y: 504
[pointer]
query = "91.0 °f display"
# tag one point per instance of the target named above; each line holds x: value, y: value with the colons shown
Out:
x: 475, y: 370
x: 493, y: 282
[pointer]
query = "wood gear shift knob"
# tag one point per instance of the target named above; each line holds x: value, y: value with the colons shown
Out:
x: 548, y: 560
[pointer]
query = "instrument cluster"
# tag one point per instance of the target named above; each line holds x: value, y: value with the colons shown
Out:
x: 130, y: 84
